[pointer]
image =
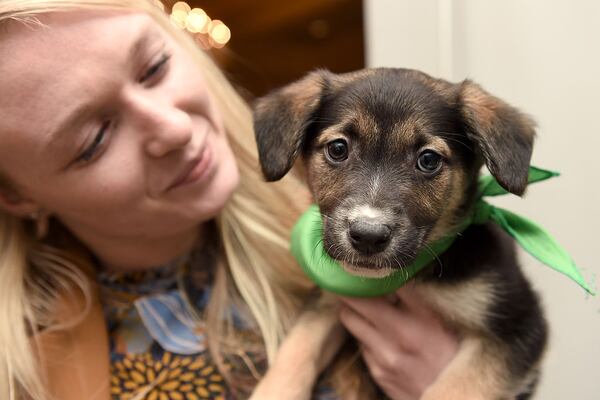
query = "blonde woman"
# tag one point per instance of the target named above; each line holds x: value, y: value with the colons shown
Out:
x: 141, y: 255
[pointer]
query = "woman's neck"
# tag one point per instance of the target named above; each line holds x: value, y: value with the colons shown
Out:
x: 136, y: 254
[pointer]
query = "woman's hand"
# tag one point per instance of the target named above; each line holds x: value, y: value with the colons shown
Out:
x: 404, y: 344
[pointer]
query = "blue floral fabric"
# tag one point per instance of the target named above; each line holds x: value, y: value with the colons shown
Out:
x: 157, y: 345
x: 158, y: 348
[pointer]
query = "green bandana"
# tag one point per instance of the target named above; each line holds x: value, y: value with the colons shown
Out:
x: 307, y: 246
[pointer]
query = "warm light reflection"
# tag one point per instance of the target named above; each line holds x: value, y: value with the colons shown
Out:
x: 181, y: 6
x: 219, y: 32
x: 208, y: 33
x: 178, y: 17
x: 197, y: 20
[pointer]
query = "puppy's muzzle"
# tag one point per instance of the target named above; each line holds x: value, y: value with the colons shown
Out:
x: 369, y: 236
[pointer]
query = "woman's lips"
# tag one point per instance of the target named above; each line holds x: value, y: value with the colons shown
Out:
x: 196, y: 170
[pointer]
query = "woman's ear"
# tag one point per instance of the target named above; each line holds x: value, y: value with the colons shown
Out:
x: 503, y: 135
x: 281, y: 119
x: 15, y: 204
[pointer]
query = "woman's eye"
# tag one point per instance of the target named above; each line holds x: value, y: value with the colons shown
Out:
x: 429, y: 161
x: 96, y: 145
x: 155, y: 68
x: 337, y: 150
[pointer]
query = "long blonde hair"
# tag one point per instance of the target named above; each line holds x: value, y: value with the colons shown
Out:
x: 256, y: 269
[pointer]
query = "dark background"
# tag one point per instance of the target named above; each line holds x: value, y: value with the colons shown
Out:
x: 274, y: 42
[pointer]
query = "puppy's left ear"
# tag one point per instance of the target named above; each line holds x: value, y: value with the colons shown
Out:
x: 281, y: 119
x: 502, y: 133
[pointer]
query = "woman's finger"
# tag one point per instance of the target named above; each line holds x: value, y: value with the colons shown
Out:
x: 364, y: 305
x: 395, y: 383
x: 373, y: 365
x: 398, y: 324
x: 367, y: 334
x: 379, y: 312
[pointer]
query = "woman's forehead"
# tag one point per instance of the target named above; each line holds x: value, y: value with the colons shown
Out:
x: 64, y: 37
x: 46, y: 68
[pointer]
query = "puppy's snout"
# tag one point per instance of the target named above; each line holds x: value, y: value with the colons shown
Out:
x: 369, y: 236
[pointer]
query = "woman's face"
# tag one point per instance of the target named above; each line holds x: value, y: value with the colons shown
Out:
x: 108, y: 125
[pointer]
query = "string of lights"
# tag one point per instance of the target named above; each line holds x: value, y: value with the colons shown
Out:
x: 209, y: 33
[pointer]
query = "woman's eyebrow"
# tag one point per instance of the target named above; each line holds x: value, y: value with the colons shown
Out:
x: 75, y: 118
x: 141, y: 43
x: 85, y: 108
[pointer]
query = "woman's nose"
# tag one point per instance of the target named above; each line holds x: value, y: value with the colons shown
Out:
x: 164, y: 126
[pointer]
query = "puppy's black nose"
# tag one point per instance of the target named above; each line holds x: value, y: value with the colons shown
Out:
x: 369, y: 236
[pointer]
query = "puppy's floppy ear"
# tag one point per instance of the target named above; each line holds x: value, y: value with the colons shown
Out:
x: 281, y: 119
x: 502, y: 133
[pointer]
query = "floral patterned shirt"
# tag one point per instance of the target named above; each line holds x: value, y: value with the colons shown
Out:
x: 158, y: 348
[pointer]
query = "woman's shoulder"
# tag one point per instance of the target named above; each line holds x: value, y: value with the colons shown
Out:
x: 74, y: 359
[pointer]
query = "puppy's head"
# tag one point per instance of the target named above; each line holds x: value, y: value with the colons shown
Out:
x: 392, y: 156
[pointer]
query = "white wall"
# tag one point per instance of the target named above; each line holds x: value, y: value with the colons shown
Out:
x: 544, y: 57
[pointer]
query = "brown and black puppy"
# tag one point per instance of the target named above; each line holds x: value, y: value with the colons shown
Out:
x: 392, y: 158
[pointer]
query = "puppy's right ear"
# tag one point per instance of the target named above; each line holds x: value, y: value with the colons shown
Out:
x: 281, y: 119
x: 503, y: 134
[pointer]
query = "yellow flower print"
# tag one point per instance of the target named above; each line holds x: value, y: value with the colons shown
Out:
x: 170, y: 377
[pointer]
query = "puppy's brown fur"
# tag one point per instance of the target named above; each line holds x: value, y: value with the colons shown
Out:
x: 382, y: 203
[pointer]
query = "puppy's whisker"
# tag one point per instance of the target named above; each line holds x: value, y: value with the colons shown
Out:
x: 430, y: 251
x: 327, y: 217
x: 399, y: 262
x: 444, y: 133
x: 315, y: 248
x: 331, y: 250
x: 323, y: 119
x: 459, y: 134
x: 452, y: 137
x: 461, y: 143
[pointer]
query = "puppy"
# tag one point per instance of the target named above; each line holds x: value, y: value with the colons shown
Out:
x: 392, y: 158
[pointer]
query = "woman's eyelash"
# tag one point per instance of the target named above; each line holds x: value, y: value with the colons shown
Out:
x: 93, y: 148
x: 155, y: 68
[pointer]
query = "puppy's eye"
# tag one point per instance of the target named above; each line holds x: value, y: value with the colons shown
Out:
x: 337, y: 150
x: 429, y: 161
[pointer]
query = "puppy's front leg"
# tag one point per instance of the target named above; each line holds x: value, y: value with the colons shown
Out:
x: 307, y: 350
x: 477, y: 372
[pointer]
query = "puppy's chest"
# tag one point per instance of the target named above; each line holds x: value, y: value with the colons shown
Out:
x: 465, y: 305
